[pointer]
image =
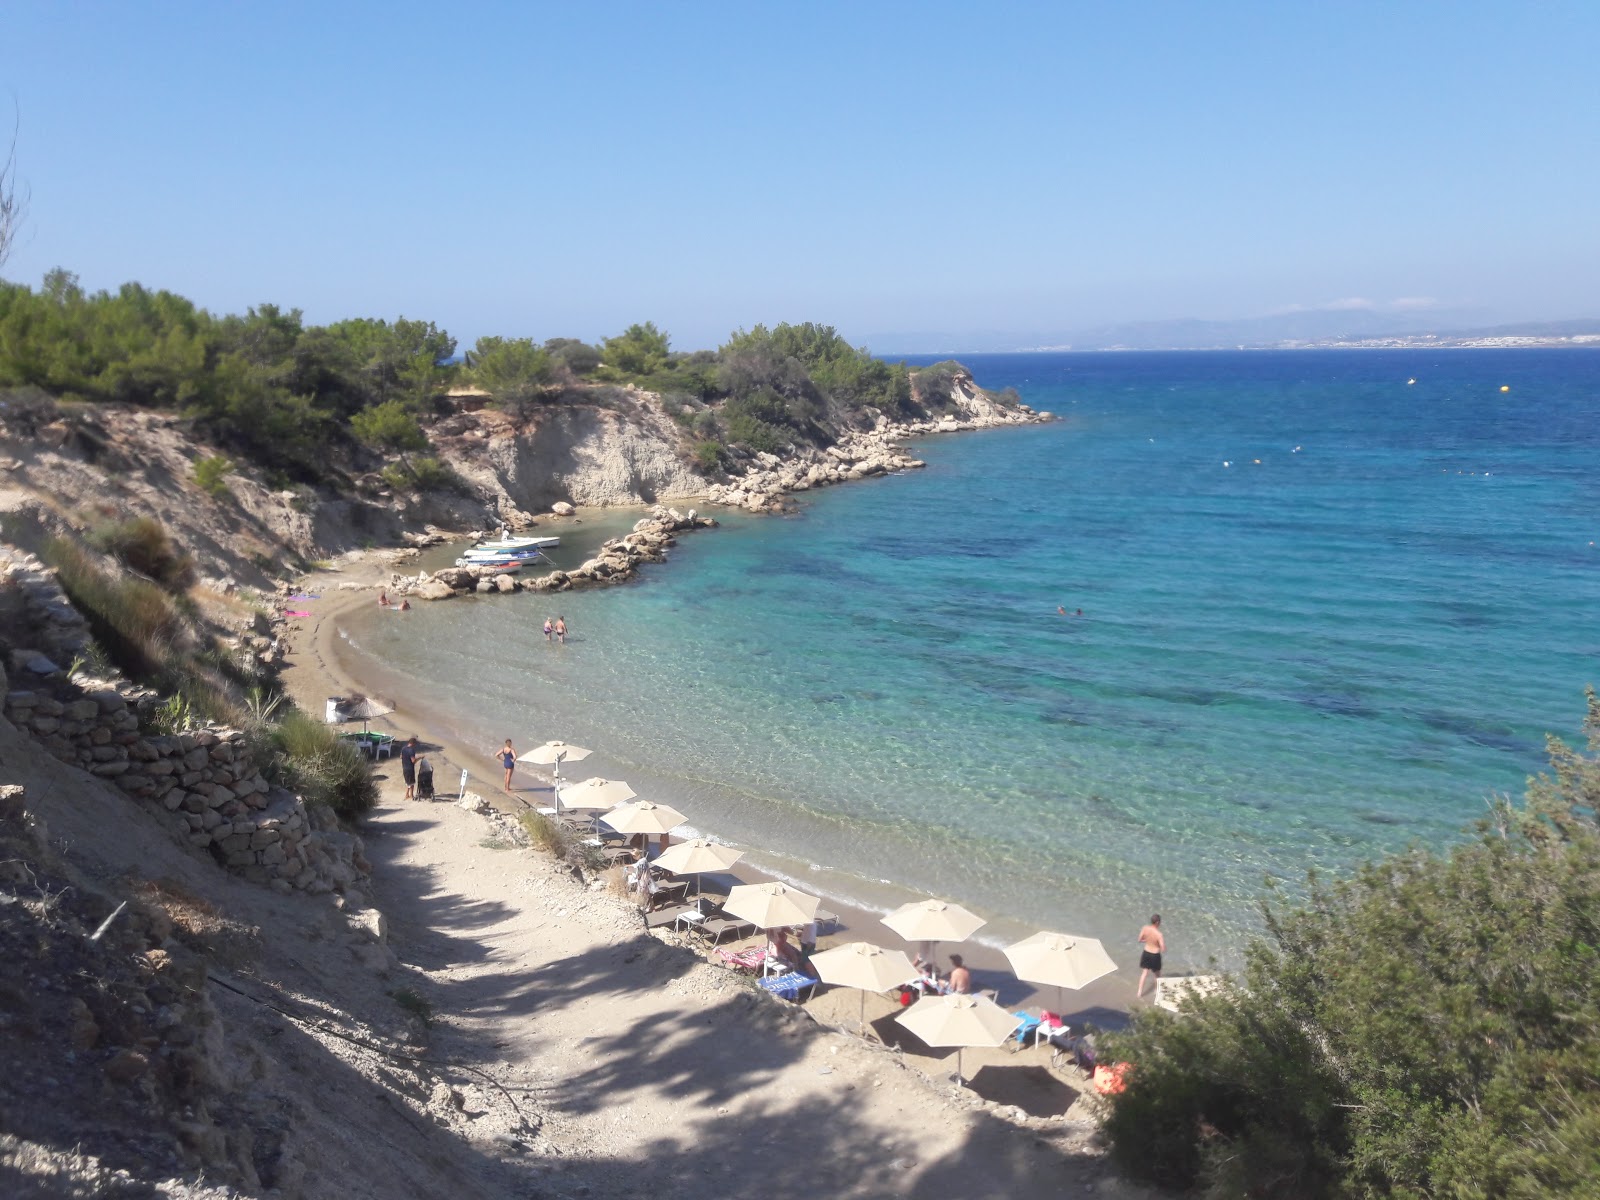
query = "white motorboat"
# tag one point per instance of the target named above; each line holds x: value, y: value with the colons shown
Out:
x: 513, y: 544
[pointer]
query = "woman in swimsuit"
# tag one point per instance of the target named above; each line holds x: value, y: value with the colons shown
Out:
x: 508, y: 760
x: 547, y: 628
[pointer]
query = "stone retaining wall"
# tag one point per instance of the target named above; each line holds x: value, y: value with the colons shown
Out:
x: 202, y: 782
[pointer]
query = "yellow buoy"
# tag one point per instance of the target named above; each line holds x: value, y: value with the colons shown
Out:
x: 1505, y: 387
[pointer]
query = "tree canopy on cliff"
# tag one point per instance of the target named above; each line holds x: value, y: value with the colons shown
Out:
x: 1428, y: 1027
x: 278, y: 391
x: 290, y: 397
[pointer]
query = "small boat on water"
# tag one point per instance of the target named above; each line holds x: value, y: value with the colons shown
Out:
x: 512, y: 544
x: 476, y: 555
x: 494, y: 567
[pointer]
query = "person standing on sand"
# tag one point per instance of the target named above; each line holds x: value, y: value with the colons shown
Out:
x: 1154, y: 945
x: 561, y: 629
x: 508, y: 760
x: 547, y: 628
x: 408, y: 764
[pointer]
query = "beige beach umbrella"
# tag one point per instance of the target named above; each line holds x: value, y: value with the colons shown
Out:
x: 363, y: 709
x: 1064, y: 959
x: 554, y: 754
x: 864, y: 966
x: 644, y: 816
x: 594, y: 793
x: 959, y: 1021
x: 770, y: 905
x: 697, y: 856
x: 932, y: 921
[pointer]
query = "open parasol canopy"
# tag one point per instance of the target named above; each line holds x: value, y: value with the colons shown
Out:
x: 1064, y: 959
x: 959, y: 1021
x: 697, y: 856
x: 363, y: 709
x: 643, y: 816
x: 864, y: 966
x: 554, y: 753
x: 770, y: 905
x: 933, y: 921
x: 594, y: 793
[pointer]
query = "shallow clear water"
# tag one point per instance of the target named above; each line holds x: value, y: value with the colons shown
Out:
x: 1285, y: 664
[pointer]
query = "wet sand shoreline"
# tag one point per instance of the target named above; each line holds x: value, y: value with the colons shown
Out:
x: 322, y: 663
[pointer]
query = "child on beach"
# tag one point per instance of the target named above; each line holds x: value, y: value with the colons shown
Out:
x: 508, y: 760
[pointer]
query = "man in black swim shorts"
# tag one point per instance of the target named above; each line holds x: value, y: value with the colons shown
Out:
x: 1154, y: 945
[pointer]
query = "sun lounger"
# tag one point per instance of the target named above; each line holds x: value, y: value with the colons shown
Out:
x: 788, y: 986
x: 662, y: 917
x: 749, y: 959
x: 717, y: 928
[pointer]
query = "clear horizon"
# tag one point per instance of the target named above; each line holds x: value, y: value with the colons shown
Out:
x: 544, y: 171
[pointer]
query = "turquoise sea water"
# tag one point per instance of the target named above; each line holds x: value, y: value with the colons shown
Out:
x: 1281, y: 664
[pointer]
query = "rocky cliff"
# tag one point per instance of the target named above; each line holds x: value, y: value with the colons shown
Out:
x: 66, y: 467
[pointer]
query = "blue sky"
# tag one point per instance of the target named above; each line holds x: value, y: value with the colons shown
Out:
x: 563, y: 170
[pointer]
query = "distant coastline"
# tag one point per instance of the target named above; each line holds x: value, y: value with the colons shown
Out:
x: 1287, y: 333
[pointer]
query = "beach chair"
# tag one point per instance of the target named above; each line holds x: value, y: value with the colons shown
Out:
x: 747, y: 960
x: 717, y: 928
x: 662, y: 917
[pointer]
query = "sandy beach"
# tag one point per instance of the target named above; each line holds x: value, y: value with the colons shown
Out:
x: 323, y: 665
x: 569, y: 987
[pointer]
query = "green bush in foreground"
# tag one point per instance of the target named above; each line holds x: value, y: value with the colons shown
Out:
x: 321, y: 767
x: 1429, y: 1027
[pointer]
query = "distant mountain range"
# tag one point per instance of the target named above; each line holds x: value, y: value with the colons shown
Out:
x: 1363, y: 328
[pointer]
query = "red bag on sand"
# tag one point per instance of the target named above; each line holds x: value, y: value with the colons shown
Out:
x: 1109, y: 1079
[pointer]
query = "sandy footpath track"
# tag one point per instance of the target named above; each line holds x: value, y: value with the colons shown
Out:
x: 648, y: 1067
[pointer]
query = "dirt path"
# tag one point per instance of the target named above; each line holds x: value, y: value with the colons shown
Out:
x: 650, y: 1068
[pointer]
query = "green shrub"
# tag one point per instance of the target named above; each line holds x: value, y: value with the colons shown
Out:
x: 708, y: 455
x: 135, y: 621
x: 757, y: 435
x: 1427, y: 1027
x: 141, y: 544
x: 420, y: 474
x: 321, y: 767
x: 211, y: 475
x: 546, y: 834
x: 174, y: 715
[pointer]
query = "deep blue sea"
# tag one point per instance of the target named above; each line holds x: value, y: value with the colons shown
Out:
x: 1326, y: 611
